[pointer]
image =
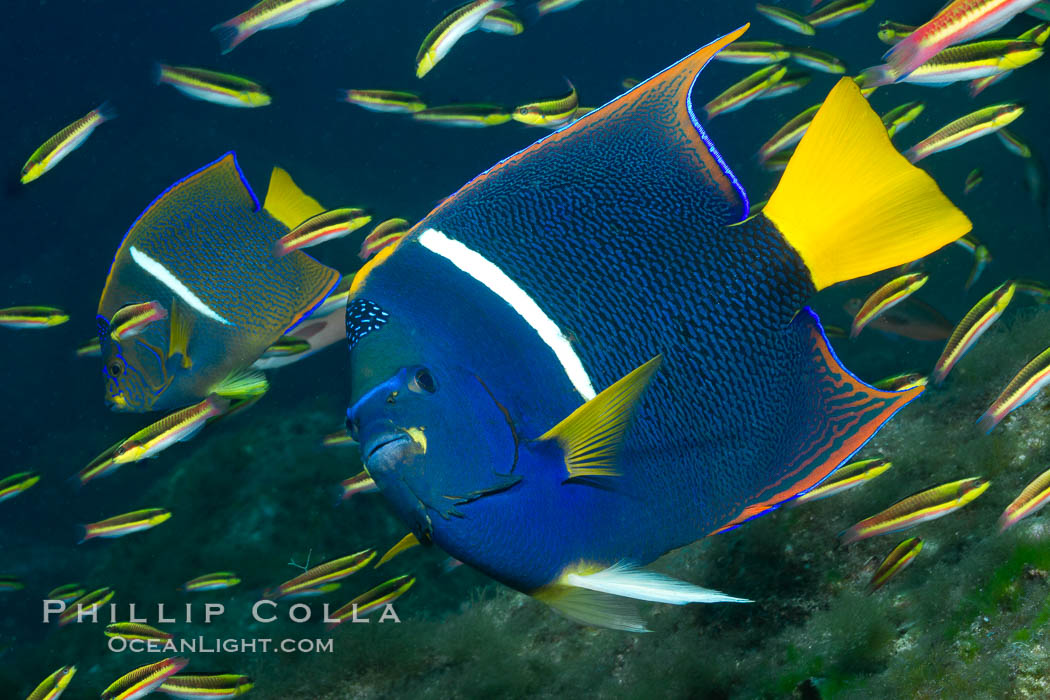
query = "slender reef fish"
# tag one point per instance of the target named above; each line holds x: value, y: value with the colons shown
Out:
x: 901, y: 116
x: 965, y: 129
x: 751, y: 52
x: 786, y: 18
x: 1022, y: 388
x: 32, y: 317
x: 502, y: 21
x: 329, y: 572
x: 384, y: 234
x: 817, y: 60
x: 901, y: 382
x: 370, y: 601
x: 922, y: 507
x: 393, y: 101
x: 84, y: 605
x: 143, y: 680
x: 453, y: 27
x: 743, y: 92
x: 177, y: 427
x: 956, y: 22
x: 52, y: 687
x: 976, y: 321
x: 471, y: 115
x: 130, y: 320
x: 893, y: 32
x: 838, y: 12
x: 1028, y: 502
x: 211, y: 86
x: 137, y: 630
x: 973, y: 180
x: 1013, y: 143
x: 359, y: 483
x: 322, y: 228
x: 845, y: 478
x: 217, y: 581
x: 268, y: 14
x: 895, y: 562
x: 511, y: 447
x: 67, y: 592
x: 11, y: 486
x: 227, y: 296
x: 206, y: 685
x: 975, y: 61
x: 549, y: 113
x: 788, y: 135
x: 125, y: 524
x: 885, y: 298
x: 793, y: 81
x: 65, y: 142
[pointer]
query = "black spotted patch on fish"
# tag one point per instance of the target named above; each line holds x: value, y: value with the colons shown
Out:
x: 363, y: 317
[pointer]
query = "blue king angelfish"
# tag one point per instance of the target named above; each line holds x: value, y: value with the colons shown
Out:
x: 574, y: 364
x: 204, y: 251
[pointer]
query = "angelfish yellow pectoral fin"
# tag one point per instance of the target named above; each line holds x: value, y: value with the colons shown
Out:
x: 179, y: 333
x: 591, y: 435
x: 407, y: 542
x: 287, y: 203
x: 850, y: 204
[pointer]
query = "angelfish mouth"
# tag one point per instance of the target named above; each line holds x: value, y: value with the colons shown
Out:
x: 379, y: 447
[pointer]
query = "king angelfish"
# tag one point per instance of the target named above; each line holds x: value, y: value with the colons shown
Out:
x: 575, y: 364
x: 203, y: 251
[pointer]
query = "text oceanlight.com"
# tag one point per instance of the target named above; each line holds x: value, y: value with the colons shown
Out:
x: 202, y: 645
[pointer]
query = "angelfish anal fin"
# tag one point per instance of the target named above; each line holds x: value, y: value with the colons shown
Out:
x: 591, y: 436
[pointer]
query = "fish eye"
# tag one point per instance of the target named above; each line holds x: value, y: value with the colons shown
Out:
x: 116, y: 369
x: 523, y: 110
x: 422, y: 382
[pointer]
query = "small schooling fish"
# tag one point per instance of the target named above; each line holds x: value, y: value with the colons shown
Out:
x: 885, y: 298
x: 900, y: 557
x: 983, y: 122
x: 974, y: 324
x: 1022, y: 388
x: 65, y: 142
x: 211, y: 86
x: 268, y: 14
x: 922, y: 507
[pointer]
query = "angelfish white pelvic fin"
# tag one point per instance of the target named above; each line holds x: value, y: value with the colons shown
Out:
x: 630, y: 581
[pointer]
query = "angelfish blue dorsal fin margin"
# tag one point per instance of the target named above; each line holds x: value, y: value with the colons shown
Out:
x: 160, y: 197
x: 731, y: 188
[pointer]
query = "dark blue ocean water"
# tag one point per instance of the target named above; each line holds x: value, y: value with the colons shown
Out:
x: 60, y: 233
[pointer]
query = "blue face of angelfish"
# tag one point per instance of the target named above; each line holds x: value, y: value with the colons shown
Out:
x: 432, y: 437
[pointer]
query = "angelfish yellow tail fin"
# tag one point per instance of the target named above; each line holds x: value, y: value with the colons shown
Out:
x: 850, y: 203
x: 287, y: 203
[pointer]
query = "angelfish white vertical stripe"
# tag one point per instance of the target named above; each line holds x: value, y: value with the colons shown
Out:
x: 164, y: 276
x: 486, y: 272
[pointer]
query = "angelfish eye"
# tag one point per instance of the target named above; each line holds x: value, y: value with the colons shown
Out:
x: 422, y: 381
x: 116, y: 369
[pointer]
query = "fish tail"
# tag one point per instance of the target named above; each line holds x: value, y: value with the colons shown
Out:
x: 876, y: 76
x: 850, y: 204
x: 834, y: 414
x: 230, y: 34
x: 106, y: 111
x: 907, y: 55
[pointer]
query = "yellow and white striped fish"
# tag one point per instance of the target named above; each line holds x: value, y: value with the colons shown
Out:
x: 451, y: 29
x: 211, y: 86
x: 268, y: 14
x: 65, y: 142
